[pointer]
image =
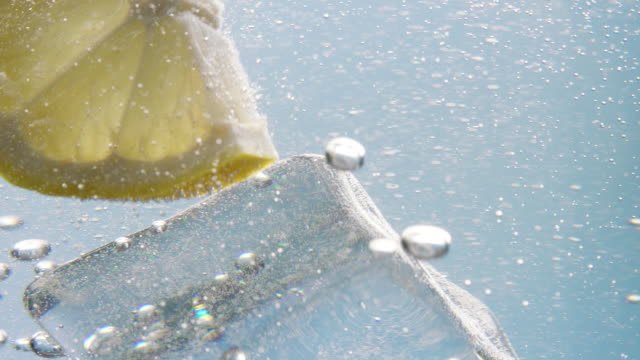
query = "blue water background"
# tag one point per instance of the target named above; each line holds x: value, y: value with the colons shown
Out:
x: 466, y: 108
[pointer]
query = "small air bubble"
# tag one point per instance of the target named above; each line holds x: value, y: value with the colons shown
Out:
x: 249, y: 262
x: 122, y: 243
x: 10, y: 221
x: 235, y: 353
x: 31, y: 249
x: 383, y: 246
x: 44, y: 346
x: 426, y: 241
x: 22, y: 344
x: 159, y: 225
x: 633, y: 298
x: 5, y: 271
x: 102, y: 341
x: 345, y: 154
x: 44, y: 266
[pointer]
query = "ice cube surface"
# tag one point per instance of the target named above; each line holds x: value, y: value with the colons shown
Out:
x: 283, y: 270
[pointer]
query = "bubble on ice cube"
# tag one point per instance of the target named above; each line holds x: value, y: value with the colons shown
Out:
x: 30, y: 249
x: 159, y: 225
x: 44, y: 266
x: 249, y: 263
x: 44, y: 346
x: 345, y: 154
x: 3, y: 337
x: 383, y: 246
x: 142, y: 348
x: 102, y: 341
x: 235, y: 353
x: 147, y: 314
x: 261, y: 180
x: 426, y: 241
x: 123, y: 243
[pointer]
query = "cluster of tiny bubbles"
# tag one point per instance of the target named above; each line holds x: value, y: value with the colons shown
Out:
x: 249, y: 263
x: 102, y: 341
x: 426, y: 241
x: 383, y: 246
x: 10, y: 221
x: 344, y: 154
x: 234, y: 353
x: 159, y: 225
x: 43, y: 345
x: 3, y: 337
x: 261, y: 180
x: 30, y: 249
x: 5, y: 271
x: 44, y: 266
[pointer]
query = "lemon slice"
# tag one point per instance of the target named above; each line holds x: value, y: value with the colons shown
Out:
x: 124, y: 99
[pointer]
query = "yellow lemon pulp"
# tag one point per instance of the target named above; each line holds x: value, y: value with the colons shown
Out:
x: 124, y: 99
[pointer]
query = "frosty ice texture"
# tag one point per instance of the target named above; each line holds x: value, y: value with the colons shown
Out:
x: 280, y: 269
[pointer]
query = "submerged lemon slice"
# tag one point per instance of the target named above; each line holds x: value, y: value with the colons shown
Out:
x: 124, y: 99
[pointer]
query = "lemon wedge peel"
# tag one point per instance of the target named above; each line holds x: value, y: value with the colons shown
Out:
x: 181, y: 123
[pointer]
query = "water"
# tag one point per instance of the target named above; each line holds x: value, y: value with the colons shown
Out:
x: 184, y: 292
x: 465, y: 108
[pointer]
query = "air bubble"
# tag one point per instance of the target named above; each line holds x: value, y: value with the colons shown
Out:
x: 249, y: 263
x: 345, y: 154
x: 383, y: 246
x: 145, y: 347
x: 426, y: 241
x: 122, y: 243
x: 5, y: 271
x: 44, y: 346
x: 261, y: 180
x: 102, y: 341
x: 31, y: 249
x: 235, y: 353
x: 159, y: 225
x: 10, y: 221
x: 22, y: 344
x: 3, y: 337
x: 633, y: 299
x: 147, y: 314
x: 634, y: 221
x: 44, y: 266
x: 212, y: 335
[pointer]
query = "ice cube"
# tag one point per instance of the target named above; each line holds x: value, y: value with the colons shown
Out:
x: 279, y: 269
